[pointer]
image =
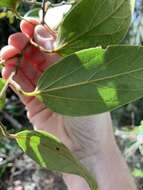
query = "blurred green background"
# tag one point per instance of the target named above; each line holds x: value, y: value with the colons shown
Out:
x: 17, y: 171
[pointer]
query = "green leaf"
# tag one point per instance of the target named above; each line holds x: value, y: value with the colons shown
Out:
x: 93, y: 23
x: 2, y: 83
x: 2, y: 99
x: 93, y: 81
x: 50, y: 152
x: 34, y: 13
x: 10, y: 16
x: 3, y: 14
x: 133, y: 5
x: 137, y: 172
x: 9, y: 3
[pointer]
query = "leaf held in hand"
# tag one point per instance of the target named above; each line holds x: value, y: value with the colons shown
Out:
x: 49, y: 152
x: 93, y: 81
x: 92, y: 23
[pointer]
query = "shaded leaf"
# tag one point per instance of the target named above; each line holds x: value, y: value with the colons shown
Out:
x: 9, y: 3
x: 34, y: 13
x: 93, y: 23
x: 93, y: 81
x: 50, y: 152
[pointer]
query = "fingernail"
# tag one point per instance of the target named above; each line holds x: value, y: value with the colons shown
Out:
x: 43, y: 37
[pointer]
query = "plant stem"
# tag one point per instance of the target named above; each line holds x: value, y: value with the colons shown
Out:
x: 2, y: 93
x: 3, y: 131
x: 19, y: 90
x: 22, y: 18
x: 40, y: 47
x: 43, y: 11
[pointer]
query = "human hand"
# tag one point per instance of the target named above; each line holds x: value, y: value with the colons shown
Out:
x: 90, y: 138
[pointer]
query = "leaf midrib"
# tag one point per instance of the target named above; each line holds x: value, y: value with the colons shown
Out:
x: 84, y: 64
x: 91, y: 81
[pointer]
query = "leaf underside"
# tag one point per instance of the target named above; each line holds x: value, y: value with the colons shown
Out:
x: 50, y: 153
x: 93, y: 81
x: 94, y: 23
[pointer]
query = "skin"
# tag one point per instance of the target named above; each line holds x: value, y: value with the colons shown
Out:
x: 91, y: 138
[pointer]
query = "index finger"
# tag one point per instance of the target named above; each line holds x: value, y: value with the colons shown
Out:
x: 27, y: 26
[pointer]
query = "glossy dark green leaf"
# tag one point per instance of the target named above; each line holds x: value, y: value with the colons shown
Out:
x: 94, y: 23
x: 9, y: 3
x: 93, y: 81
x: 2, y: 99
x: 50, y: 152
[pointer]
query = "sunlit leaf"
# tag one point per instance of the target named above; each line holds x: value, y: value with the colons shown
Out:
x: 50, y: 152
x: 10, y: 16
x: 93, y: 81
x: 2, y: 15
x: 133, y: 5
x: 2, y: 99
x: 94, y: 23
x: 137, y: 173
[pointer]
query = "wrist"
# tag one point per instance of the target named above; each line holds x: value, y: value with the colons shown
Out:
x: 110, y: 169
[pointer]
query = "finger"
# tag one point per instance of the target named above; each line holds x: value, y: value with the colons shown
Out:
x: 31, y: 72
x: 8, y: 52
x: 26, y: 76
x: 34, y: 57
x: 27, y: 27
x: 18, y: 40
x: 20, y: 78
x: 23, y: 80
x: 44, y: 37
x: 9, y: 67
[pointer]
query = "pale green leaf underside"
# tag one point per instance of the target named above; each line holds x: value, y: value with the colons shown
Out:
x: 92, y: 23
x: 133, y: 5
x: 93, y: 81
x: 49, y: 152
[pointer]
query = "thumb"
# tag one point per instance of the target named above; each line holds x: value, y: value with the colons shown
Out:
x: 44, y: 37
